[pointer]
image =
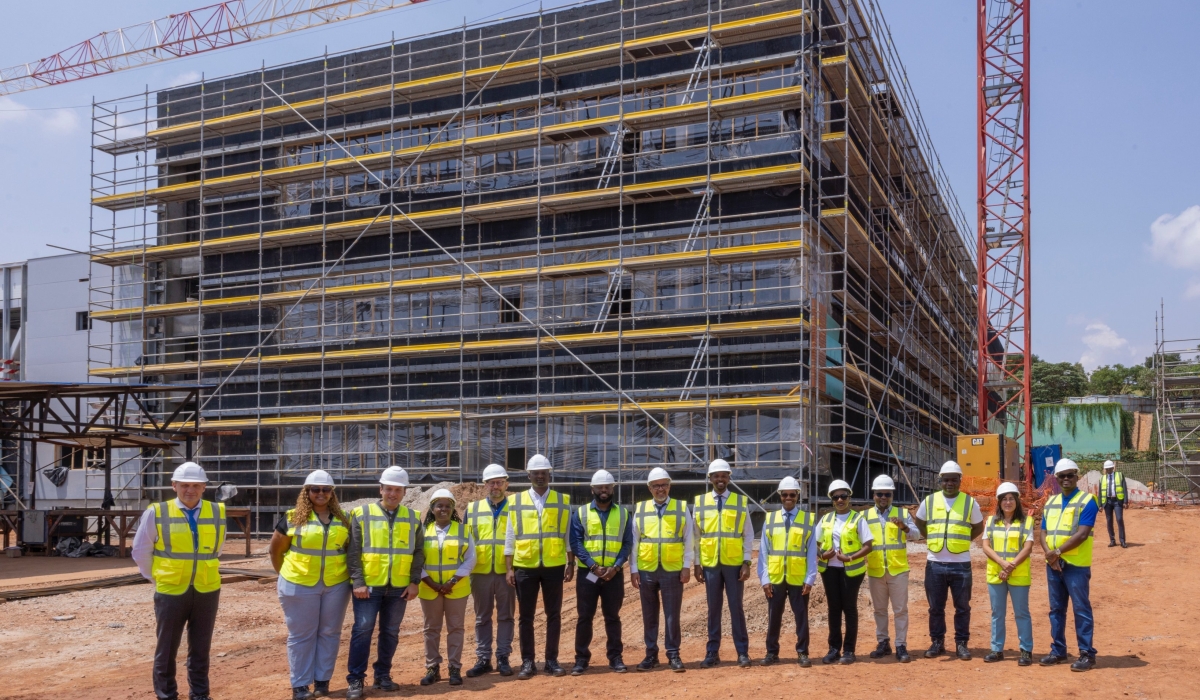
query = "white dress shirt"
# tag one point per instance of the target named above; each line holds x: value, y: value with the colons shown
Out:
x: 810, y: 554
x: 510, y: 535
x: 464, y: 569
x: 142, y: 549
x: 689, y: 537
x: 747, y: 532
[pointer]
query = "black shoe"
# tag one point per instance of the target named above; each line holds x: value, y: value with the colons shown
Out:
x: 936, y: 649
x: 1112, y: 544
x: 618, y: 665
x: 1086, y: 662
x: 993, y: 657
x: 883, y: 649
x: 832, y: 657
x: 301, y: 692
x: 1052, y: 660
x: 804, y: 661
x: 710, y: 661
x: 902, y: 654
x: 554, y: 669
x: 320, y: 689
x: 199, y: 697
x: 1026, y: 659
x: 770, y: 659
x: 386, y: 683
x: 354, y: 689
x: 433, y: 674
x: 455, y: 676
x: 502, y: 666
x: 1124, y: 546
x: 744, y: 660
x: 675, y: 663
x: 528, y: 670
x: 847, y: 658
x: 481, y: 667
x: 962, y: 652
x: 576, y: 670
x: 648, y: 663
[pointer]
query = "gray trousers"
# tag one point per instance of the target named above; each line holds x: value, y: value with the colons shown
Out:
x: 893, y: 589
x: 314, y: 616
x: 454, y: 612
x: 492, y: 591
x: 664, y: 585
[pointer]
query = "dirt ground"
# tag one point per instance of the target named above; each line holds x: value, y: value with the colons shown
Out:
x: 1142, y: 596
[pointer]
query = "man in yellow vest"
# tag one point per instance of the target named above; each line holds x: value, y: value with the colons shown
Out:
x: 385, y: 559
x: 1066, y: 539
x: 949, y: 520
x: 1113, y: 499
x: 537, y: 558
x: 887, y: 567
x: 664, y: 541
x: 601, y: 540
x: 787, y: 568
x: 487, y: 521
x: 177, y: 546
x: 724, y: 540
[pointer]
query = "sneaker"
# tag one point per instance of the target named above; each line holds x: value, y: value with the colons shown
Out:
x: 804, y: 661
x: 528, y: 670
x: 320, y: 689
x: 936, y: 649
x: 1026, y: 659
x: 993, y: 657
x: 354, y: 689
x: 481, y: 667
x: 385, y: 683
x: 883, y: 649
x: 1086, y: 662
x: 675, y: 663
x: 902, y: 654
x: 1052, y: 660
x: 433, y: 674
x: 502, y: 666
x: 618, y: 665
x: 832, y: 657
x: 744, y: 660
x: 648, y: 663
x: 710, y: 661
x: 770, y: 659
x: 847, y: 658
x: 577, y: 669
x: 301, y: 692
x: 962, y: 652
x: 554, y: 669
x: 455, y: 675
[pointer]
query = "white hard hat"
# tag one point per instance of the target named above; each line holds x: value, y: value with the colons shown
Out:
x: 442, y: 493
x: 394, y: 476
x: 318, y: 477
x: 658, y: 474
x: 883, y: 482
x: 1007, y: 487
x: 719, y: 465
x: 838, y: 485
x: 190, y: 473
x: 789, y: 483
x: 1109, y: 464
x: 603, y: 478
x: 1065, y: 465
x: 537, y: 463
x: 950, y: 467
x: 494, y: 471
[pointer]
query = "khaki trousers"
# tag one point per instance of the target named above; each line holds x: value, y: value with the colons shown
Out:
x: 895, y: 589
x: 454, y: 612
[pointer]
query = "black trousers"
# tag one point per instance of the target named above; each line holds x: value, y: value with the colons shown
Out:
x: 781, y: 595
x: 197, y: 612
x: 944, y: 579
x: 664, y: 585
x: 841, y: 595
x: 1119, y: 508
x: 548, y: 580
x: 609, y: 595
x: 725, y: 579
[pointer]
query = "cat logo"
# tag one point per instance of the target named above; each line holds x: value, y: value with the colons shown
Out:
x: 976, y: 441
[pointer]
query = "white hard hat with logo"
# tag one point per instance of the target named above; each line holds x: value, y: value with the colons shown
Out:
x: 603, y: 478
x: 658, y: 474
x: 883, y: 482
x: 189, y: 473
x: 950, y: 467
x: 719, y: 465
x: 1007, y: 487
x: 318, y: 477
x: 788, y: 483
x: 394, y: 476
x: 442, y: 493
x: 537, y: 463
x: 1109, y: 464
x: 494, y: 471
x: 838, y: 485
x: 1065, y: 465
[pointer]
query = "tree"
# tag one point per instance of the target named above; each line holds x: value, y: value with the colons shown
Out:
x: 1052, y: 382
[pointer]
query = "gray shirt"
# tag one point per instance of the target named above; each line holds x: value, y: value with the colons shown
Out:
x: 354, y: 551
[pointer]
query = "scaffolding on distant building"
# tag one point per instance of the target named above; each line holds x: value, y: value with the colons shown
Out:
x: 1177, y: 394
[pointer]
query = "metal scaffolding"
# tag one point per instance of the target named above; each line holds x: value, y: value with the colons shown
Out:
x: 1177, y: 413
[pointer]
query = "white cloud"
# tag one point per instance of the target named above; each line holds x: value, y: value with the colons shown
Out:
x: 1193, y: 290
x: 1104, y: 346
x: 1176, y: 239
x: 185, y: 79
x: 58, y: 121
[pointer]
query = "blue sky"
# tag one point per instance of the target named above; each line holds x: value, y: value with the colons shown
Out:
x: 1116, y: 195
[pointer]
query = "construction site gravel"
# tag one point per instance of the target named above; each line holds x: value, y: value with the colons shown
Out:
x: 1144, y: 598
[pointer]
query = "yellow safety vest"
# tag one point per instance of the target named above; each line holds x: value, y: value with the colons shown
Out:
x: 948, y: 528
x: 1007, y: 541
x: 317, y: 553
x: 1060, y: 522
x: 721, y: 531
x: 891, y: 543
x: 541, y: 541
x: 1119, y: 491
x: 489, y: 535
x: 660, y: 540
x: 178, y: 564
x: 603, y: 537
x: 387, y: 552
x: 442, y: 560
x: 850, y: 544
x: 787, y: 547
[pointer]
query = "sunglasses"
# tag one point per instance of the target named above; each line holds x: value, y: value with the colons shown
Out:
x: 1066, y: 475
x: 883, y: 494
x: 841, y: 497
x: 320, y: 489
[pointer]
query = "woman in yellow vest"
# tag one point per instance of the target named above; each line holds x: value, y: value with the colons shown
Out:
x: 843, y: 542
x: 1008, y: 542
x: 445, y: 585
x: 308, y: 549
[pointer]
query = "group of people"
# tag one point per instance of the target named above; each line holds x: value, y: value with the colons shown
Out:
x: 509, y: 549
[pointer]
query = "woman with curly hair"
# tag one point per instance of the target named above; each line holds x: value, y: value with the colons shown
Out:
x: 308, y: 549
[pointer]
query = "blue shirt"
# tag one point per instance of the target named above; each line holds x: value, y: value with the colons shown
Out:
x: 1089, y: 513
x: 578, y: 535
x: 497, y: 507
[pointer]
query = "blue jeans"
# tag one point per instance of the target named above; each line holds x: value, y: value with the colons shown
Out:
x: 1072, y: 584
x: 386, y: 604
x: 952, y: 580
x: 999, y: 593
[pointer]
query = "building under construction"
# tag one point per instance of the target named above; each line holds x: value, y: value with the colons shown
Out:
x: 623, y: 234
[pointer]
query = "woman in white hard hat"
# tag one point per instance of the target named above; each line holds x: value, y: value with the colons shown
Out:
x: 308, y: 550
x: 1008, y: 542
x: 445, y: 585
x: 843, y: 540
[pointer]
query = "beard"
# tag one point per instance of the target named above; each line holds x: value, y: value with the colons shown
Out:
x: 606, y: 498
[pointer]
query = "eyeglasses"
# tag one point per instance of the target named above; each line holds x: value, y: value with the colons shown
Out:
x: 659, y: 486
x: 841, y: 497
x: 320, y: 489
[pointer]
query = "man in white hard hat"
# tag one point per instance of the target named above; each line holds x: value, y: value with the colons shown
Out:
x: 949, y: 520
x: 787, y: 568
x: 177, y: 546
x: 601, y: 540
x: 386, y: 555
x: 844, y: 542
x: 887, y: 567
x: 1113, y: 499
x: 538, y: 559
x: 1068, y: 519
x: 724, y: 538
x: 664, y: 540
x: 487, y: 521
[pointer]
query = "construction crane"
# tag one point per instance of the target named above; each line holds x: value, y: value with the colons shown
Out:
x: 185, y: 34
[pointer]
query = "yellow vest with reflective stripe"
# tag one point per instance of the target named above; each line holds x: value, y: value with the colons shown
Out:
x: 787, y: 547
x: 541, y: 541
x: 602, y: 539
x: 849, y: 542
x: 316, y: 553
x: 948, y: 528
x: 387, y: 552
x: 661, y: 540
x: 721, y: 531
x: 178, y: 564
x: 442, y: 560
x: 1007, y: 541
x: 1120, y: 488
x: 891, y: 543
x: 489, y: 535
x: 1061, y: 522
